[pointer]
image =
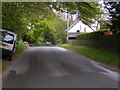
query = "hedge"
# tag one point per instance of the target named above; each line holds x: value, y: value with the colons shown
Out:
x: 93, y: 35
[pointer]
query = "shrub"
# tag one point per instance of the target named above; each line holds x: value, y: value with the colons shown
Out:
x: 115, y: 36
x: 93, y: 35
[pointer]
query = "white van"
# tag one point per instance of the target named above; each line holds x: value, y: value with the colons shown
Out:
x: 7, y: 43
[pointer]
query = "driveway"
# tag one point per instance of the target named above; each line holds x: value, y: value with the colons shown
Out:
x: 55, y: 67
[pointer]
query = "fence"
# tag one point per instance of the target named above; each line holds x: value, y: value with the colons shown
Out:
x: 111, y: 43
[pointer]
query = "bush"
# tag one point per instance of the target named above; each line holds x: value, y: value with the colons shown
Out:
x: 93, y: 35
x: 114, y: 36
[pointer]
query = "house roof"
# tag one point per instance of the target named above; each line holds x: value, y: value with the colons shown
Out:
x: 71, y: 26
x: 75, y: 24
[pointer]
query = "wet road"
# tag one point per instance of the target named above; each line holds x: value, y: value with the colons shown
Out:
x: 55, y: 67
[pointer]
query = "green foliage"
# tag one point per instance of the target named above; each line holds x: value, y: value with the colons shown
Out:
x: 83, y: 36
x: 93, y: 35
x: 116, y: 36
x: 58, y: 26
x: 42, y: 30
x: 97, y: 54
x: 16, y: 14
x: 114, y: 13
x: 87, y: 11
x: 20, y: 48
x: 104, y: 25
x: 35, y: 21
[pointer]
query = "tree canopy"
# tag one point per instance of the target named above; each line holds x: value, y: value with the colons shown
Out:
x: 114, y: 13
x: 34, y: 21
x: 88, y: 12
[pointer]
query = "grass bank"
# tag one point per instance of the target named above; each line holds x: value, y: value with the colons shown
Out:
x: 95, y: 54
x: 19, y: 49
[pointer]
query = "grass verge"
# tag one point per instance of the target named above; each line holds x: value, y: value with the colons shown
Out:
x: 95, y: 53
x: 19, y: 49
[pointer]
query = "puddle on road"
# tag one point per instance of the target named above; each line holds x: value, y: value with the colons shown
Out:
x: 111, y: 74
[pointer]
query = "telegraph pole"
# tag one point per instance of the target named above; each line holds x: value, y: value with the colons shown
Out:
x: 68, y: 23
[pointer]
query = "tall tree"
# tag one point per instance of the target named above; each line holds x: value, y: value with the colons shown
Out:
x: 34, y: 19
x: 14, y: 12
x: 114, y: 13
x: 88, y: 12
x: 58, y: 27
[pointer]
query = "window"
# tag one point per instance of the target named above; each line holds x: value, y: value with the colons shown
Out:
x: 78, y: 31
x: 7, y: 37
x: 80, y: 27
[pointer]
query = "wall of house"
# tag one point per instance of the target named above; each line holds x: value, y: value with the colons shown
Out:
x: 72, y: 34
x: 80, y: 26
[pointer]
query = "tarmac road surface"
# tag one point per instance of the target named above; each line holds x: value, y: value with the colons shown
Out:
x: 55, y: 67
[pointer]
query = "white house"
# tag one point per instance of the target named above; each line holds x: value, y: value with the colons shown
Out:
x: 78, y: 27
